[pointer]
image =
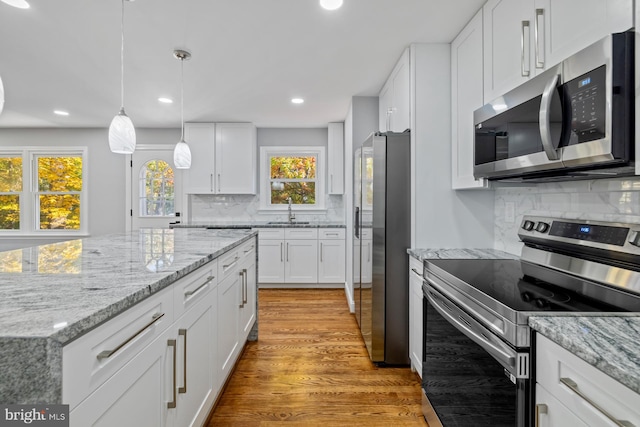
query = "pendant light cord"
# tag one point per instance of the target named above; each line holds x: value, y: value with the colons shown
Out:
x: 182, y: 98
x: 122, y: 58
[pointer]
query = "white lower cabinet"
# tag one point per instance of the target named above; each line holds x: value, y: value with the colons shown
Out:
x: 302, y: 255
x: 571, y: 392
x: 415, y: 314
x: 164, y: 361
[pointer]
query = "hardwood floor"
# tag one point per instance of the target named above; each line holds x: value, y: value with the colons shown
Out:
x: 310, y: 367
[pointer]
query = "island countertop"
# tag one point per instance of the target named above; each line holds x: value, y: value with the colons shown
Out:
x: 258, y: 224
x: 55, y: 293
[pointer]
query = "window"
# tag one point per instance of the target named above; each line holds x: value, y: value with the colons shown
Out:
x: 157, y: 193
x: 42, y: 191
x: 292, y: 172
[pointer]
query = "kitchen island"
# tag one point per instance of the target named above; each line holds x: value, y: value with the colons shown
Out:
x: 55, y: 295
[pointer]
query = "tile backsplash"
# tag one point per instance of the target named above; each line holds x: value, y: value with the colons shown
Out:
x: 227, y: 208
x: 603, y: 200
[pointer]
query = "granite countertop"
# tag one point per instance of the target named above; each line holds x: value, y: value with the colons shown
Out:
x: 53, y: 294
x: 425, y: 254
x: 258, y: 224
x: 610, y: 343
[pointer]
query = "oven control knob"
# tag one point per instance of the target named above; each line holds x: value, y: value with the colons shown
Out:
x: 541, y: 303
x: 528, y: 225
x: 542, y: 227
x: 634, y: 237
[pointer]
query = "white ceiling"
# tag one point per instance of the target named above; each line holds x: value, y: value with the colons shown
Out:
x: 250, y: 57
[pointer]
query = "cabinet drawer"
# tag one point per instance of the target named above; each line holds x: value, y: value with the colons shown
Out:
x: 271, y: 233
x: 248, y: 249
x: 366, y: 234
x: 93, y: 358
x: 227, y: 263
x: 331, y: 233
x: 192, y: 288
x: 557, y: 369
x: 416, y: 266
x: 300, y: 233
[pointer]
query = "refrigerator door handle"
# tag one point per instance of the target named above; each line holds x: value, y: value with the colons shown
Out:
x: 357, y: 226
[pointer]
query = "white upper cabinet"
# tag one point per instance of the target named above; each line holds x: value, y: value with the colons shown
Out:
x: 236, y: 166
x: 199, y: 179
x: 565, y: 27
x: 223, y: 158
x: 466, y: 97
x: 395, y: 98
x: 525, y: 37
x: 507, y: 46
x: 335, y: 165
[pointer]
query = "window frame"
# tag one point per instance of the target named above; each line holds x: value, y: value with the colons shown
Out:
x: 283, y: 151
x: 142, y: 183
x: 29, y: 197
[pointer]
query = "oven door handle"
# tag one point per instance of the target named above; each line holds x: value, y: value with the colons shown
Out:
x: 504, y: 357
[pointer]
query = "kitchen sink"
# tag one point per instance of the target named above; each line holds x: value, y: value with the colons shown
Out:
x: 287, y: 222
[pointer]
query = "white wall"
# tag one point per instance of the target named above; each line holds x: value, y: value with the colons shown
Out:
x: 600, y: 200
x: 443, y: 218
x: 106, y: 179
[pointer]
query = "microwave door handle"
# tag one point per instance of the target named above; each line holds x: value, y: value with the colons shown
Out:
x: 545, y: 119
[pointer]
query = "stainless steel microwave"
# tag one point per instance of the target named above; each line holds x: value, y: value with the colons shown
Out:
x: 573, y: 120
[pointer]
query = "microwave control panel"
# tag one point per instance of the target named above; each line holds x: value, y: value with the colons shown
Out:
x: 588, y: 105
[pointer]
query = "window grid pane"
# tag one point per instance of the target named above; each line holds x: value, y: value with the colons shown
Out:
x: 294, y: 177
x: 10, y: 174
x: 9, y: 212
x: 157, y: 189
x: 59, y: 211
x: 59, y: 174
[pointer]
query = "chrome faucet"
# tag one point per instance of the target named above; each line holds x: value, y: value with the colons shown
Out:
x: 291, y: 214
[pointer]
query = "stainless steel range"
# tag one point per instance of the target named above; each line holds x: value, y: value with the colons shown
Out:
x: 477, y: 367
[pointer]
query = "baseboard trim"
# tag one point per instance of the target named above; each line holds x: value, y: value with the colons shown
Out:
x: 300, y: 285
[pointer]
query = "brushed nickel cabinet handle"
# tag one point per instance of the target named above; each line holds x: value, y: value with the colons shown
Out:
x: 281, y: 252
x: 246, y: 287
x: 183, y: 333
x: 231, y: 263
x: 287, y: 251
x: 172, y: 404
x: 321, y: 252
x: 573, y: 386
x: 108, y: 353
x: 241, y: 273
x: 211, y: 182
x: 541, y: 408
x: 189, y: 293
x: 218, y: 183
x: 539, y: 52
x: 524, y: 71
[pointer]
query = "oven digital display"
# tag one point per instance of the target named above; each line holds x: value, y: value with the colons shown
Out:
x: 593, y: 233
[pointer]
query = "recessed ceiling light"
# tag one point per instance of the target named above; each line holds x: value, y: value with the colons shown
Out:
x: 165, y: 100
x: 297, y: 100
x: 61, y: 112
x: 20, y: 4
x: 331, y: 4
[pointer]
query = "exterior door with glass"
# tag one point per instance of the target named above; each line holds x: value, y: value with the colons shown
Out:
x: 156, y: 188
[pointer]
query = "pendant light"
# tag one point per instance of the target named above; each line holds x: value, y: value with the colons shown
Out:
x: 122, y: 134
x: 182, y: 153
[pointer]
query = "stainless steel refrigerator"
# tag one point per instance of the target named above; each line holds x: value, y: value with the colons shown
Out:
x: 382, y: 235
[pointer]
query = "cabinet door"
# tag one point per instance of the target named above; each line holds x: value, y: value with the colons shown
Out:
x: 331, y: 262
x: 401, y: 116
x: 415, y: 315
x: 137, y: 395
x: 551, y: 413
x: 335, y: 166
x: 199, y: 179
x: 235, y: 158
x: 197, y: 381
x: 508, y: 29
x: 301, y: 261
x: 229, y: 301
x: 562, y: 30
x: 466, y: 97
x: 271, y: 261
x: 249, y: 307
x: 385, y: 106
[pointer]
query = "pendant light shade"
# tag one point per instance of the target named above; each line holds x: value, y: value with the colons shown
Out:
x: 1, y: 96
x: 122, y: 134
x: 182, y: 153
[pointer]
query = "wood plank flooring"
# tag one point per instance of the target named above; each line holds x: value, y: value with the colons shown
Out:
x: 310, y: 367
